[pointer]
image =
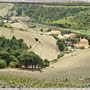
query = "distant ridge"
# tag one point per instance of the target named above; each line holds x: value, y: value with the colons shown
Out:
x: 44, y: 0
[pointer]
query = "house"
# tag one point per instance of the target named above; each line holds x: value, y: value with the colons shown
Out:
x: 66, y: 36
x: 72, y: 36
x: 83, y: 43
x: 5, y: 21
x: 54, y: 32
x: 60, y: 37
x: 20, y: 18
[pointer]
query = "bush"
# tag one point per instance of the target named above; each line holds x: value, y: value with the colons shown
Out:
x: 61, y: 45
x: 46, y: 63
x: 60, y: 55
x: 2, y: 64
x: 13, y: 58
x: 55, y: 60
x: 13, y: 64
x: 82, y: 47
x: 5, y: 55
x: 41, y: 30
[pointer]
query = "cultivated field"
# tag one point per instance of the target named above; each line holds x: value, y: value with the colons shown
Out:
x: 73, y: 70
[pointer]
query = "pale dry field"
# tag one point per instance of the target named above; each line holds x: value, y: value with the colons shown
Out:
x: 46, y: 49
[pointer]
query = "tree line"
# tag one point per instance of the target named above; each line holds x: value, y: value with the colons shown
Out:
x: 14, y: 53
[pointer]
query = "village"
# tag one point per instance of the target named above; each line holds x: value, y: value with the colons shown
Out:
x: 71, y: 40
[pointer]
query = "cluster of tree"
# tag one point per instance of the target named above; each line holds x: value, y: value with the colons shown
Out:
x: 58, y: 15
x: 61, y: 45
x: 78, y: 21
x: 14, y: 53
x: 31, y: 59
x: 14, y: 44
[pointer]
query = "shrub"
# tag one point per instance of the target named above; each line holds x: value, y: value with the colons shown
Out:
x: 82, y: 47
x: 2, y: 64
x: 55, y: 60
x: 41, y: 30
x: 46, y: 63
x: 13, y: 58
x: 61, y: 45
x: 60, y: 55
x: 36, y: 39
x: 5, y: 55
x: 13, y: 64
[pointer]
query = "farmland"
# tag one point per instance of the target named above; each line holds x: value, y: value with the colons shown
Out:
x: 70, y: 71
x: 31, y: 39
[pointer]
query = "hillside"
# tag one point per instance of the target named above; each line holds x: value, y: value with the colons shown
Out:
x: 46, y: 49
x: 74, y: 16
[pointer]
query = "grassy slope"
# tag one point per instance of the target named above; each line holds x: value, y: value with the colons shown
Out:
x: 4, y: 10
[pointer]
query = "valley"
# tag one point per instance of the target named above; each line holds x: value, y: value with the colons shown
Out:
x: 44, y: 45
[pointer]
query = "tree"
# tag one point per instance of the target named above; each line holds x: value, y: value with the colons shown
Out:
x: 25, y: 59
x: 41, y: 30
x: 30, y: 58
x: 61, y: 45
x: 1, y: 23
x: 13, y: 58
x: 5, y: 55
x: 2, y: 64
x: 46, y: 63
x: 36, y: 39
x: 13, y: 64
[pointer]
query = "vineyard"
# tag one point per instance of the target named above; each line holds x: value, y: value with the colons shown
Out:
x: 25, y: 79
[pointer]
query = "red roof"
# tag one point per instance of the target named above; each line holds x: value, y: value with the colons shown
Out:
x: 83, y: 43
x: 73, y: 35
